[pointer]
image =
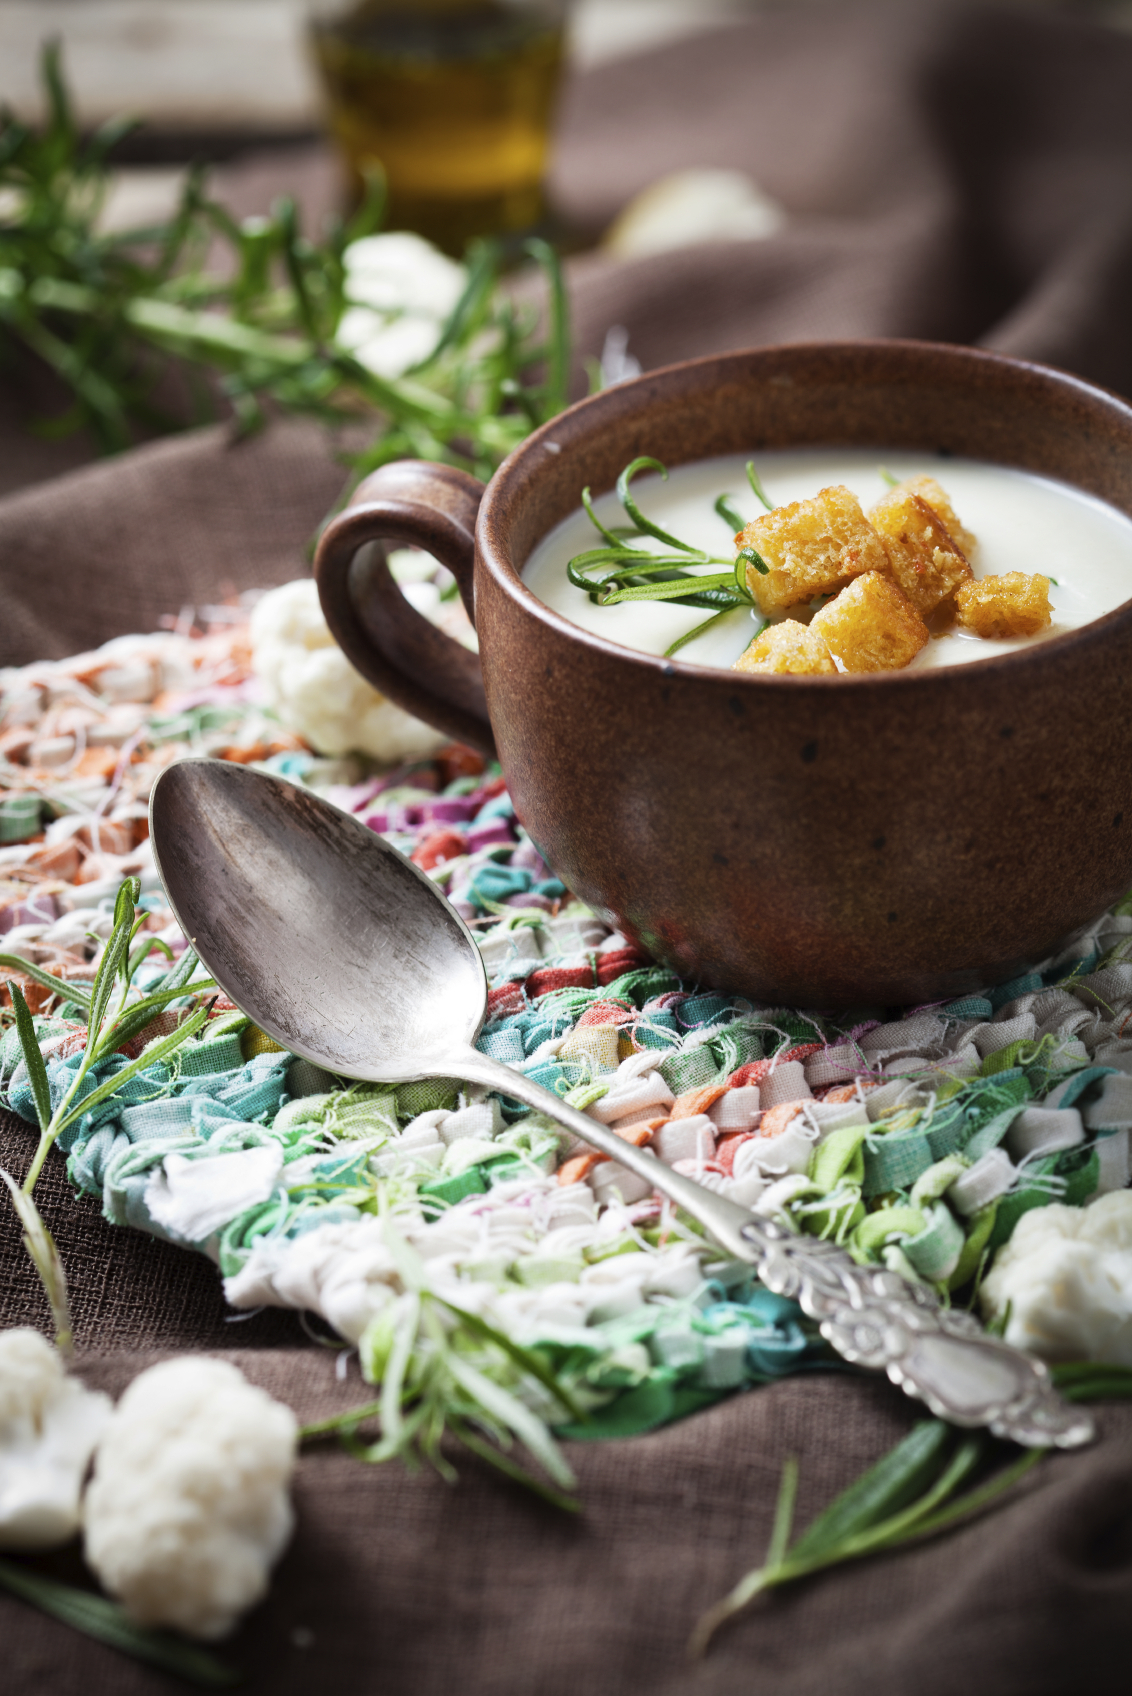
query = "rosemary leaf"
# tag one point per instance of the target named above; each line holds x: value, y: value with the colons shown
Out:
x: 751, y: 556
x: 529, y: 1360
x: 733, y: 519
x: 156, y: 1051
x: 106, y: 1621
x: 78, y: 993
x: 136, y: 1015
x: 783, y: 1513
x: 144, y: 949
x: 511, y: 1412
x: 978, y: 1500
x: 557, y: 393
x: 881, y: 1511
x: 510, y: 1468
x: 611, y: 536
x: 33, y: 1056
x: 139, y: 1014
x: 180, y: 974
x: 1091, y: 1380
x: 645, y: 525
x: 398, y: 1445
x: 396, y: 1367
x: 756, y: 484
x: 45, y: 1257
x: 337, y: 1422
x: 673, y: 591
x: 114, y: 956
x: 700, y: 630
x: 895, y: 1480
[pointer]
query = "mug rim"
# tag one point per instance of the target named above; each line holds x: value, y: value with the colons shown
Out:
x: 516, y: 468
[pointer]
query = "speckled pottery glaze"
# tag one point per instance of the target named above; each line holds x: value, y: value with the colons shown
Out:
x: 810, y: 841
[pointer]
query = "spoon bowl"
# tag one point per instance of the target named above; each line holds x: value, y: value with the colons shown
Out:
x: 333, y: 942
x: 345, y: 953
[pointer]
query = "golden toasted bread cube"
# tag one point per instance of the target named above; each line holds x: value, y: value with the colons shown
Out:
x: 872, y: 625
x: 940, y: 502
x: 921, y: 554
x: 811, y: 548
x: 1016, y: 604
x: 787, y: 647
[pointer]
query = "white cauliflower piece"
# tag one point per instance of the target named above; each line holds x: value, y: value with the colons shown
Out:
x: 188, y: 1507
x: 1067, y: 1275
x: 690, y: 207
x: 400, y: 290
x: 316, y: 691
x: 49, y: 1425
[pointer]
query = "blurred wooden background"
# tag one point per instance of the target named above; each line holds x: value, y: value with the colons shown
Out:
x: 238, y: 69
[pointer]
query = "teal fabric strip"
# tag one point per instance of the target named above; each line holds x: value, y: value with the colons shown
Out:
x: 894, y: 1162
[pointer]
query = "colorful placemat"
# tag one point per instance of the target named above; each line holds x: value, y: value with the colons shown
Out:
x: 918, y: 1140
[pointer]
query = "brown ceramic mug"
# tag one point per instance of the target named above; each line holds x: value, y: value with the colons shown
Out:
x: 896, y: 837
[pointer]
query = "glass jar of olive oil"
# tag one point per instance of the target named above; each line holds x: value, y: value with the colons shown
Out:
x: 453, y: 100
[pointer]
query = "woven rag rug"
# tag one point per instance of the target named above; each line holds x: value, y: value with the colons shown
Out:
x: 949, y: 173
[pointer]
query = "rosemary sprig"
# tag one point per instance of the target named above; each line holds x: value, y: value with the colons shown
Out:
x: 114, y: 1016
x: 623, y: 572
x: 98, y: 1617
x: 916, y: 1490
x: 442, y: 1370
x: 106, y: 310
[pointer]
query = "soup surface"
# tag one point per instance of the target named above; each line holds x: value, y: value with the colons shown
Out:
x: 1022, y: 522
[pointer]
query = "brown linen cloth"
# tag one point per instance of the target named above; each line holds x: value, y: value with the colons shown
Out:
x: 950, y: 174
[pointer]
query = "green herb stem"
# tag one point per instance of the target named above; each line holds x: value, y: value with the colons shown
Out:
x: 702, y: 630
x: 644, y: 525
x: 557, y: 390
x: 103, y: 311
x: 751, y: 556
x: 732, y: 518
x: 67, y: 991
x: 756, y: 484
x: 467, y: 1435
x: 912, y: 1493
x: 888, y: 1533
x: 112, y: 1019
x: 337, y: 1422
x: 106, y: 1621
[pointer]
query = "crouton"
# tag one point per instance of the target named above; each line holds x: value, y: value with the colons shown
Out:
x: 872, y: 625
x: 1016, y: 604
x: 811, y: 548
x: 921, y: 554
x: 940, y: 502
x: 786, y: 647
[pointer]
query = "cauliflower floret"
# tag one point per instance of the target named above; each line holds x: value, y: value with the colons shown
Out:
x: 188, y: 1507
x: 400, y: 290
x: 316, y: 691
x: 1067, y: 1275
x: 399, y: 294
x: 49, y: 1425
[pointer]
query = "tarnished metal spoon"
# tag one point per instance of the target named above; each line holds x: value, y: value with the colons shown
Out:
x: 342, y: 950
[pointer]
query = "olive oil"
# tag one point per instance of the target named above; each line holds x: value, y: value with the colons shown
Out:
x: 453, y: 99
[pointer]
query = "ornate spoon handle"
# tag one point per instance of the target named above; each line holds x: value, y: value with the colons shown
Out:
x: 940, y: 1355
x: 871, y: 1316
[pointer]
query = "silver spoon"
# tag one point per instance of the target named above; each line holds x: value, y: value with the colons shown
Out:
x: 345, y: 953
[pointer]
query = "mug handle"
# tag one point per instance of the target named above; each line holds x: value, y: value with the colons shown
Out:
x: 409, y: 503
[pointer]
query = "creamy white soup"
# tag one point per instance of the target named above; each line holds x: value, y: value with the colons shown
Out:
x: 1021, y: 522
